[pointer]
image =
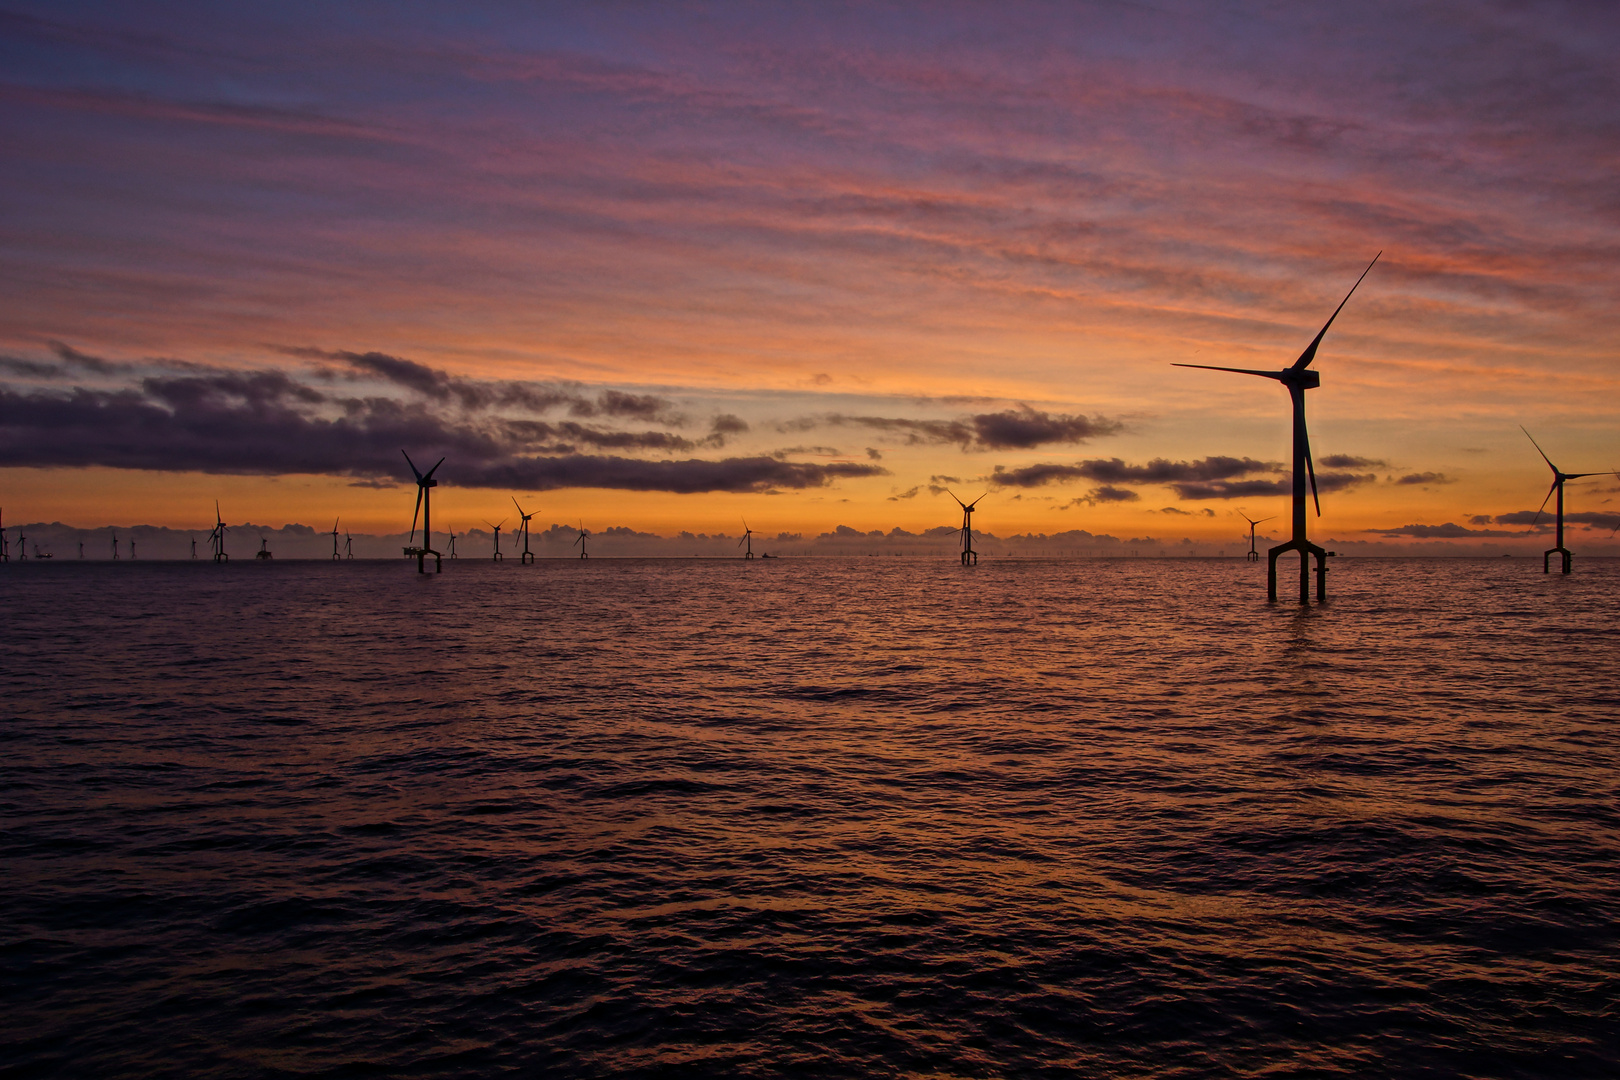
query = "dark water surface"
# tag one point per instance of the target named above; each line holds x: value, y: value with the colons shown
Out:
x: 808, y: 817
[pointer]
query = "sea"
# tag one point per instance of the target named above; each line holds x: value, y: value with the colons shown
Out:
x: 816, y: 817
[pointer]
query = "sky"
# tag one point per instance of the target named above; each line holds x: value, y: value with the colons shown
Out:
x: 664, y: 267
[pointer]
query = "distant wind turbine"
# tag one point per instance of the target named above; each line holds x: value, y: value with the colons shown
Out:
x: 1253, y: 555
x: 498, y: 556
x: 969, y: 556
x: 528, y: 556
x: 348, y: 545
x: 452, y: 552
x: 748, y: 538
x: 264, y: 548
x: 1298, y: 378
x: 114, y: 545
x: 424, y: 505
x: 1568, y: 559
x: 583, y: 535
x: 216, y: 538
x: 336, y: 555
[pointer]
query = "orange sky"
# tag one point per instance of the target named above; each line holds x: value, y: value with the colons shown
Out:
x: 885, y: 248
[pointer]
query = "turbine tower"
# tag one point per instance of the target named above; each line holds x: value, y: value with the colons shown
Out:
x: 336, y: 556
x: 969, y: 556
x: 1298, y: 378
x: 748, y: 537
x: 528, y: 556
x: 216, y: 538
x: 1568, y: 559
x: 498, y: 556
x: 424, y: 504
x: 1253, y: 555
x: 583, y: 534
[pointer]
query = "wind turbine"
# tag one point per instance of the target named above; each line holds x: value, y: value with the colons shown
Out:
x: 193, y: 548
x: 424, y: 504
x: 114, y: 546
x: 969, y: 556
x: 498, y: 556
x: 348, y: 545
x: 1253, y: 555
x: 264, y: 548
x: 216, y: 538
x: 581, y: 541
x: 1557, y: 486
x: 528, y: 556
x: 452, y: 533
x: 748, y: 537
x: 1298, y: 378
x: 335, y: 555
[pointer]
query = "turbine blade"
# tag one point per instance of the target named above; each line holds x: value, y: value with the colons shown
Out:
x: 959, y: 502
x: 1240, y: 370
x: 1309, y: 354
x: 1539, y: 450
x: 975, y: 502
x: 1543, y: 505
x: 414, y: 470
x: 740, y: 542
x: 415, y: 512
x: 429, y: 474
x: 1310, y: 469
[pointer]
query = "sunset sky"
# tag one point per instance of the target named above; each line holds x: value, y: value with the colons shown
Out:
x: 664, y: 266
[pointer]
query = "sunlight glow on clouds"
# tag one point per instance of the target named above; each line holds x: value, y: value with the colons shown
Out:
x: 803, y: 254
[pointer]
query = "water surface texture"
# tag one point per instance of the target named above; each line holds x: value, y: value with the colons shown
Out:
x: 868, y: 817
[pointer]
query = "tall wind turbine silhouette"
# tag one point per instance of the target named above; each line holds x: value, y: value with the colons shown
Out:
x: 583, y: 535
x: 1568, y: 559
x: 969, y: 556
x: 348, y: 545
x: 452, y: 533
x: 498, y: 556
x: 1253, y: 555
x: 115, y: 546
x: 216, y: 538
x: 528, y: 556
x: 1298, y: 378
x: 748, y: 538
x: 336, y: 555
x: 424, y: 504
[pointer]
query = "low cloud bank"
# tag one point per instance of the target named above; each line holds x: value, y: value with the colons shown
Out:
x: 271, y: 423
x: 1205, y: 478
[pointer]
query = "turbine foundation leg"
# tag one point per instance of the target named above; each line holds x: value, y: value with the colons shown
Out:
x: 1271, y: 576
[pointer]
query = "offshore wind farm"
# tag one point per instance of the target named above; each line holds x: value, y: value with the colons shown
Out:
x: 995, y: 751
